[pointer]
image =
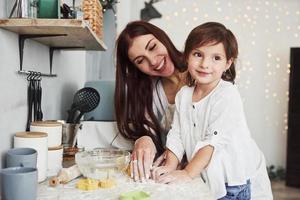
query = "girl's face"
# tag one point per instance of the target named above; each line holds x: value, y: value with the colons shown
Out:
x: 206, y: 64
x: 150, y: 56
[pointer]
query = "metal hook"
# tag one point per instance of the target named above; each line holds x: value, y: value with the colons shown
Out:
x: 39, y: 76
x: 35, y: 76
x: 32, y: 75
x: 29, y: 75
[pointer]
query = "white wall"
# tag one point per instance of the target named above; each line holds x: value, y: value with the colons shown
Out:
x: 100, y: 64
x: 265, y: 31
x: 127, y: 10
x: 57, y: 92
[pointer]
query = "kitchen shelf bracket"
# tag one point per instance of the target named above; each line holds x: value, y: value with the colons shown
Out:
x: 55, y: 33
x: 23, y: 37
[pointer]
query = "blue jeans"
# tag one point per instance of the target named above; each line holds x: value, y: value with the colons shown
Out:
x: 238, y: 192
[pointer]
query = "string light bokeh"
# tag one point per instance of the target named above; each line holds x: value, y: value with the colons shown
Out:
x: 266, y: 30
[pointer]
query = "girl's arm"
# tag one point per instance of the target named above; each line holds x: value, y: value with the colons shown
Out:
x: 192, y: 170
x: 171, y: 159
x: 200, y: 161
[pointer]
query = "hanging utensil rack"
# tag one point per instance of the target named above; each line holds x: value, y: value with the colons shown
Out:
x: 41, y: 74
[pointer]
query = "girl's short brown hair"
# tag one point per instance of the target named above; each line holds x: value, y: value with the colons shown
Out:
x: 213, y: 32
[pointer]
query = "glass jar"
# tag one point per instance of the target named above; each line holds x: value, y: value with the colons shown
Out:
x: 21, y: 8
x: 33, y: 8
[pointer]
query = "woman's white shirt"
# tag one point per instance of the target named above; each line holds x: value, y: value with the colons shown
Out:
x: 217, y: 120
x: 163, y: 110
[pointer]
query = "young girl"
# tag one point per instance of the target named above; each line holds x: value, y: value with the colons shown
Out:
x: 209, y: 123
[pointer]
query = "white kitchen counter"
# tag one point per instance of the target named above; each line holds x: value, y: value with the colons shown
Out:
x: 102, y: 134
x: 195, y: 189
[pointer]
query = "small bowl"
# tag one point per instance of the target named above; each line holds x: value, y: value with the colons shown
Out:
x: 102, y: 163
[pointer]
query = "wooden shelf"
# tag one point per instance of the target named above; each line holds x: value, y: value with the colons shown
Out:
x: 76, y: 33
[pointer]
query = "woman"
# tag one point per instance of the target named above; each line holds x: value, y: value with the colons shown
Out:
x: 148, y: 76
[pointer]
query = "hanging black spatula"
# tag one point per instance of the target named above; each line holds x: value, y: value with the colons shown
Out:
x: 39, y: 113
x: 85, y: 100
x: 30, y: 98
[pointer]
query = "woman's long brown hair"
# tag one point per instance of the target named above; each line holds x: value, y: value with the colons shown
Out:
x: 134, y: 89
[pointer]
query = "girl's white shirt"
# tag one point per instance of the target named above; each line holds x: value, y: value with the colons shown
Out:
x: 219, y: 120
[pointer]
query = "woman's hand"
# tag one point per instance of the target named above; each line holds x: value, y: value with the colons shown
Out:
x: 176, y: 176
x: 142, y: 158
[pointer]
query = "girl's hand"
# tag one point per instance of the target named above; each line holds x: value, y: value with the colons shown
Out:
x: 142, y: 158
x: 176, y: 176
x: 157, y: 172
x: 161, y: 160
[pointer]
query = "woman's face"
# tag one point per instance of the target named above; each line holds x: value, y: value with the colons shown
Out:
x: 150, y: 56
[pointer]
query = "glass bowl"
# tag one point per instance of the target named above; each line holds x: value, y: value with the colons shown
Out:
x: 102, y: 163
